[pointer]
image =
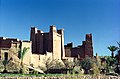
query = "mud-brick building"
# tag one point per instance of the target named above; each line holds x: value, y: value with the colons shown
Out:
x: 52, y: 42
x: 45, y: 45
x: 81, y: 51
x: 9, y: 48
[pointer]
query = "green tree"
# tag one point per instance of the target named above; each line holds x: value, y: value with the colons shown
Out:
x: 86, y: 64
x: 95, y: 68
x: 74, y: 66
x: 112, y: 49
x: 76, y: 62
x: 117, y: 69
x: 118, y: 45
x: 51, y: 64
x: 110, y: 62
x: 118, y: 54
x: 68, y: 64
x: 22, y: 53
x: 96, y: 65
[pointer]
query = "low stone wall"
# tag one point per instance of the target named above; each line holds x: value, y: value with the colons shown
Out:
x: 65, y: 77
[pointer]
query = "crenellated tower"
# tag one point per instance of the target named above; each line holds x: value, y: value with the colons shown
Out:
x: 52, y: 41
x: 88, y: 46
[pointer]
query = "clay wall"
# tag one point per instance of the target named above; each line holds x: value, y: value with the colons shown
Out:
x: 27, y: 57
x: 86, y: 49
x: 39, y: 43
x: 39, y: 59
x: 6, y: 45
x: 56, y: 46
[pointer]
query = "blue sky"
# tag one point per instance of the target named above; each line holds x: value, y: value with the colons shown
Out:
x: 77, y: 17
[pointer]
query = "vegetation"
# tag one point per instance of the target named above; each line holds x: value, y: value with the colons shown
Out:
x: 22, y: 53
x: 1, y: 66
x: 29, y: 75
x: 13, y: 67
x: 23, y: 69
x: 118, y: 54
x: 86, y: 64
x: 51, y: 64
x: 112, y: 49
x: 68, y: 64
x: 96, y: 65
x: 92, y: 66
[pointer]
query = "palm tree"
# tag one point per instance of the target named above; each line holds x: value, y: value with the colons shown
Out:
x: 112, y: 49
x: 22, y: 54
x: 118, y: 54
x: 118, y: 45
x: 21, y: 57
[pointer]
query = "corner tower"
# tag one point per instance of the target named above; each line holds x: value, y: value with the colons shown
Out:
x: 61, y: 31
x: 33, y: 33
x: 52, y: 42
x: 88, y: 46
x: 55, y: 42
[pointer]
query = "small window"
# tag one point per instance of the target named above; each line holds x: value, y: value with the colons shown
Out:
x: 39, y: 57
x: 6, y: 55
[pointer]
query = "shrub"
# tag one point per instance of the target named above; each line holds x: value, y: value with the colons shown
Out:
x: 24, y: 70
x: 86, y: 64
x: 68, y: 64
x: 43, y: 68
x: 95, y: 68
x: 57, y: 64
x: 77, y: 70
x: 12, y: 67
x: 1, y: 66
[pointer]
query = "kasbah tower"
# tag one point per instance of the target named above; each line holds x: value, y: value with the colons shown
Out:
x: 46, y: 45
x: 52, y: 42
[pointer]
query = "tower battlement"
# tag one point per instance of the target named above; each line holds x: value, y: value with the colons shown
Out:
x: 52, y: 41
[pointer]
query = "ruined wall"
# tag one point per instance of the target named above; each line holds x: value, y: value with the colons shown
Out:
x: 86, y: 49
x: 2, y: 52
x: 8, y: 48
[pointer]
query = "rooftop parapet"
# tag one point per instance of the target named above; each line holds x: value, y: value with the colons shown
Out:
x: 53, y: 28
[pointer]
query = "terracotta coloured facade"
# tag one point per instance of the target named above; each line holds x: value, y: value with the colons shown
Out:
x: 86, y: 49
x: 52, y: 41
x: 44, y: 45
